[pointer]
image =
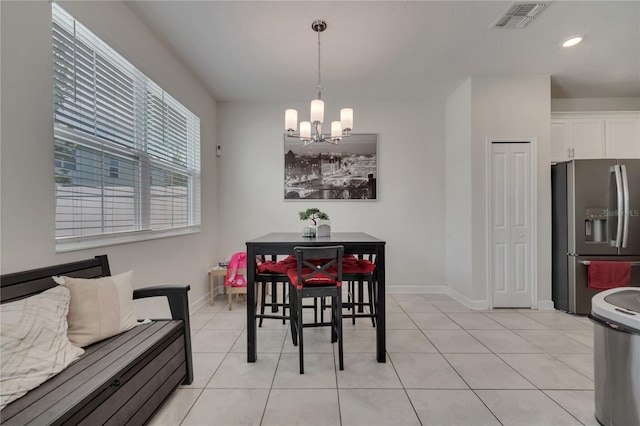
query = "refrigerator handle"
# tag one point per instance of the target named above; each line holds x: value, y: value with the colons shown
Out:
x: 618, y: 240
x: 625, y: 189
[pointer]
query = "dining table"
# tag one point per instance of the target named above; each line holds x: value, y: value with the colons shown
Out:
x: 283, y: 244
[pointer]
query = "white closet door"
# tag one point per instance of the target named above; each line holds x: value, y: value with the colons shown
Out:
x: 511, y: 243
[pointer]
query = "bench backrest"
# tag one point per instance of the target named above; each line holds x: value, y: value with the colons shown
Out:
x: 19, y: 285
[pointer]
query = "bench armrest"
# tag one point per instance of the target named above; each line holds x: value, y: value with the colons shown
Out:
x: 175, y: 294
x: 178, y: 298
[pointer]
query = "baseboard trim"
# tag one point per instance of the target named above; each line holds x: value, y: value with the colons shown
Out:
x: 197, y: 304
x: 474, y: 305
x: 546, y: 305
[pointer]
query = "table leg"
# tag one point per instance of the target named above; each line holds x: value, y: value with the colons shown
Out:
x: 211, y: 287
x: 252, y: 350
x: 381, y: 309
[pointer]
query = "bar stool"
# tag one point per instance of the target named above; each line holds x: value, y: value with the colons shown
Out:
x: 318, y: 274
x: 357, y: 272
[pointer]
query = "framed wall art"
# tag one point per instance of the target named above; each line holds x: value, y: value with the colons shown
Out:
x: 347, y: 170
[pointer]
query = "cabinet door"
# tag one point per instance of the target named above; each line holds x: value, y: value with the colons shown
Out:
x: 560, y: 147
x: 622, y: 138
x: 587, y: 138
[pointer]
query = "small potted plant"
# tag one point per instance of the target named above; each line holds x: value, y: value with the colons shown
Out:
x: 315, y: 215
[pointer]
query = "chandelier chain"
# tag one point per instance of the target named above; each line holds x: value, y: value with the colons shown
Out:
x: 319, y: 72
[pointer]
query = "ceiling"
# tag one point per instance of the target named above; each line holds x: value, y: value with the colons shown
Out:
x: 395, y: 50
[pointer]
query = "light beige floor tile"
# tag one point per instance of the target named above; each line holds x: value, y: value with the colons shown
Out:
x: 268, y: 341
x: 228, y: 407
x: 227, y: 321
x: 583, y: 363
x: 487, y: 371
x: 433, y: 321
x: 450, y: 408
x: 205, y: 365
x: 198, y: 319
x: 557, y: 320
x: 426, y: 371
x: 376, y: 407
x: 358, y: 340
x: 175, y: 408
x: 319, y: 372
x: 581, y: 404
x: 235, y: 372
x: 409, y: 341
x: 474, y: 321
x: 316, y: 340
x: 504, y: 341
x: 515, y: 320
x: 416, y: 303
x: 583, y: 336
x: 546, y: 372
x: 214, y: 340
x: 302, y: 407
x: 215, y: 308
x: 360, y: 323
x: 525, y: 407
x: 392, y: 306
x: 455, y: 341
x: 364, y: 371
x: 554, y: 341
x: 437, y: 296
x: 399, y: 321
x: 450, y: 306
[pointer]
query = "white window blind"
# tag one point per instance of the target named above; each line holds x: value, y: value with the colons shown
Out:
x: 127, y: 154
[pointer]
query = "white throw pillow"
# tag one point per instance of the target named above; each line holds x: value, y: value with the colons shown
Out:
x: 100, y: 307
x: 34, y: 343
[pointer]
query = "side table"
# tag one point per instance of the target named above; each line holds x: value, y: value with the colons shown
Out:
x: 218, y: 271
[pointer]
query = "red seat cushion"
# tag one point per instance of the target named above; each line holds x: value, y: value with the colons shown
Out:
x: 317, y: 279
x: 280, y: 267
x: 353, y: 265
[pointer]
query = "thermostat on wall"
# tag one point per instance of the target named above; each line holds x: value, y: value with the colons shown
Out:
x: 218, y: 150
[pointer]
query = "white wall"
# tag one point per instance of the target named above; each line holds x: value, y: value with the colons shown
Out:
x: 27, y: 184
x: 511, y: 107
x: 409, y: 213
x: 480, y: 110
x: 458, y: 195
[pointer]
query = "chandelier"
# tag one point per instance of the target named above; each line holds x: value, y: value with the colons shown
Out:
x: 339, y: 129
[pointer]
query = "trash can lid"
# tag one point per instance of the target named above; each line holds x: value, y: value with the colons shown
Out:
x: 618, y: 305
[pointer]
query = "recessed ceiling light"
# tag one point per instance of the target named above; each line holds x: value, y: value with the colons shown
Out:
x: 571, y: 41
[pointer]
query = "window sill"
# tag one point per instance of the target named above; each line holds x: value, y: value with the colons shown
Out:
x: 81, y: 243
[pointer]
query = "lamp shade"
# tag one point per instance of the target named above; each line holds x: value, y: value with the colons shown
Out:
x: 346, y: 118
x: 317, y: 111
x: 305, y: 130
x: 336, y: 129
x: 291, y: 120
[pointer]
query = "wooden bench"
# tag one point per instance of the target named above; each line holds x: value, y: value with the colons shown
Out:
x: 117, y: 381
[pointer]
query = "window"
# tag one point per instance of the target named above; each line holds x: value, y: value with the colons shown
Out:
x: 127, y: 154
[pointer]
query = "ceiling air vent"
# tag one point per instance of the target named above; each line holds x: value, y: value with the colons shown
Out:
x: 519, y: 15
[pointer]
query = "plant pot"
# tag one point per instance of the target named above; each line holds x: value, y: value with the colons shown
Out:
x: 308, y: 231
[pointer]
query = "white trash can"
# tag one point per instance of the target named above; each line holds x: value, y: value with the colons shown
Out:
x: 616, y: 345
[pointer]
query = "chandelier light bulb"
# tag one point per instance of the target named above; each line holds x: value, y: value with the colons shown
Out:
x: 291, y: 120
x: 317, y: 111
x: 305, y: 130
x: 336, y: 129
x: 346, y: 119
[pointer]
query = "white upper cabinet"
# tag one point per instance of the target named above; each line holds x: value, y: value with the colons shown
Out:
x: 621, y: 138
x: 583, y: 135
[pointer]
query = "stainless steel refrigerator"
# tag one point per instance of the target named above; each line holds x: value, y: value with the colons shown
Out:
x: 595, y: 216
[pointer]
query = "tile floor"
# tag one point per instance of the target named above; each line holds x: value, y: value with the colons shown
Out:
x: 446, y: 365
